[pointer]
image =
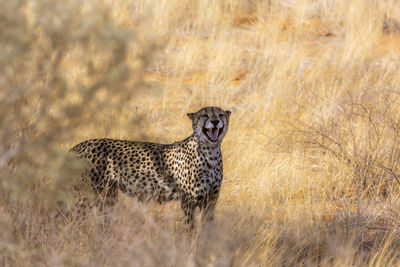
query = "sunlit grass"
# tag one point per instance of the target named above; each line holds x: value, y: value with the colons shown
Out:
x: 310, y: 159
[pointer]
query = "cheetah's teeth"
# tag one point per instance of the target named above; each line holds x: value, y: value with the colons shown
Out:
x: 213, y: 133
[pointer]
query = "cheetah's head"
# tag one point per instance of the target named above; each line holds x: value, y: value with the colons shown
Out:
x: 210, y: 124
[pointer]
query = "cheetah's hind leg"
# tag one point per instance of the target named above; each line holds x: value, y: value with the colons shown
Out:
x: 79, y: 204
x: 106, y: 200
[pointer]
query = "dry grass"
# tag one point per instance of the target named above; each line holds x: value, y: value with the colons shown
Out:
x: 310, y: 160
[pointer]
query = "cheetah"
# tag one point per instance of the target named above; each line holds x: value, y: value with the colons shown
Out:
x: 189, y: 171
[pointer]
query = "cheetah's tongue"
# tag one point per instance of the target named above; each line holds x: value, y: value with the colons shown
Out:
x: 213, y: 134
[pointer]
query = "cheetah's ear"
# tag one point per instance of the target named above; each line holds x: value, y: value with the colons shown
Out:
x: 191, y: 116
x: 228, y: 113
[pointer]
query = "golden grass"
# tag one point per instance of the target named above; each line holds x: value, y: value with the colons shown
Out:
x: 310, y: 159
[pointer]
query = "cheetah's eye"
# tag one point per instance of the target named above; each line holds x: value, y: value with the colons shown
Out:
x: 221, y: 115
x: 204, y: 116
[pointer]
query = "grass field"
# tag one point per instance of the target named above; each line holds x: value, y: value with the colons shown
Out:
x: 311, y: 173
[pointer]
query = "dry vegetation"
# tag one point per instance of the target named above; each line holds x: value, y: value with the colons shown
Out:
x: 311, y: 157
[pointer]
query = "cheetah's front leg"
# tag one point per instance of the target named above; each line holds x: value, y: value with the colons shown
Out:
x: 208, y: 206
x: 188, y: 209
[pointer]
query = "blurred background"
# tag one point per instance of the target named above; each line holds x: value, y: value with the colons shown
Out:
x: 311, y: 173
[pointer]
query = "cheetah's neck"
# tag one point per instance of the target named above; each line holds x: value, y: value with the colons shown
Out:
x: 211, y: 153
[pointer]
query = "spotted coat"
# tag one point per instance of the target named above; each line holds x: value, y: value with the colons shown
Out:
x: 189, y: 170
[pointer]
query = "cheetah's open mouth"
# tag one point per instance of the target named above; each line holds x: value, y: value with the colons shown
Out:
x: 212, y: 133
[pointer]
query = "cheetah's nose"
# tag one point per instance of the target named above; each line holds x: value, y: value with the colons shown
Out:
x: 215, y: 122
